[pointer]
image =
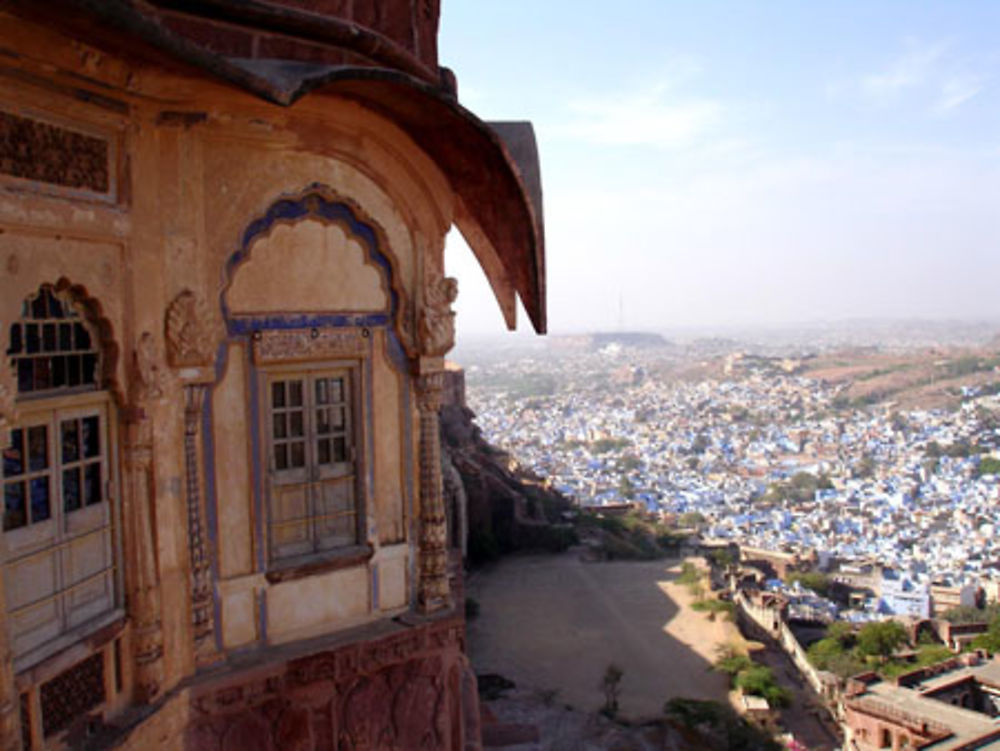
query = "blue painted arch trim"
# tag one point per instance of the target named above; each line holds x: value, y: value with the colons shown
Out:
x: 314, y: 202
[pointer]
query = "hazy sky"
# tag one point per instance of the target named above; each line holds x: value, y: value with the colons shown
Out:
x: 721, y: 163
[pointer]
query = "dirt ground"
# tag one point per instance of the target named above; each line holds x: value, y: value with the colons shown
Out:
x: 554, y: 623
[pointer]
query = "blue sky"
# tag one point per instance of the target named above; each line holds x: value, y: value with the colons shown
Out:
x: 713, y: 164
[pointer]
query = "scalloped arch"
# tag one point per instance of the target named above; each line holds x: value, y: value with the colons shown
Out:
x: 93, y: 313
x: 323, y: 204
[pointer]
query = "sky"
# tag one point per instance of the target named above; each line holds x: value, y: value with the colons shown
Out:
x: 717, y: 164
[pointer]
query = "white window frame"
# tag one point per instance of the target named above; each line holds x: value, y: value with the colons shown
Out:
x: 58, y: 533
x: 313, y: 475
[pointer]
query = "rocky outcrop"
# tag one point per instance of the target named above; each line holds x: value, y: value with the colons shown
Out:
x: 494, y: 506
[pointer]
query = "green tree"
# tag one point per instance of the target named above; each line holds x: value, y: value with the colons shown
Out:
x: 722, y: 558
x: 880, y: 639
x: 758, y: 680
x: 990, y: 641
x: 823, y: 651
x: 988, y: 466
x: 611, y: 686
x: 972, y: 614
x: 843, y: 632
x: 731, y: 661
x: 689, y: 573
x: 818, y: 582
x: 690, y: 519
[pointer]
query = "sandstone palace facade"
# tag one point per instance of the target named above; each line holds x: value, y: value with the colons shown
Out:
x: 224, y: 312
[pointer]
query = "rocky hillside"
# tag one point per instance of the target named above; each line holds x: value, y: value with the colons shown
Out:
x: 501, y: 506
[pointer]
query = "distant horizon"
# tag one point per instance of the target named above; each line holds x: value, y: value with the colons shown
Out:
x: 829, y: 324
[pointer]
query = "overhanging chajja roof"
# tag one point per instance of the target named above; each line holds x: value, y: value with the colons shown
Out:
x: 493, y: 170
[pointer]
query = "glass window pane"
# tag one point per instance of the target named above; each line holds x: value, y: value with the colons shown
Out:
x: 13, y: 457
x: 323, y: 450
x: 43, y: 373
x: 91, y: 436
x: 280, y: 426
x: 295, y: 393
x: 278, y: 394
x: 33, y: 340
x: 15, y: 513
x: 323, y: 420
x: 295, y: 424
x: 281, y: 456
x: 38, y: 448
x: 70, y: 441
x: 92, y: 484
x: 71, y: 489
x: 56, y: 308
x: 321, y: 391
x: 297, y: 455
x: 336, y: 389
x: 82, y: 336
x: 40, y: 510
x: 338, y: 417
x: 340, y: 449
x: 73, y: 370
x: 58, y: 371
x: 49, y: 337
x: 89, y: 367
x: 15, y: 339
x: 25, y: 375
x: 65, y: 337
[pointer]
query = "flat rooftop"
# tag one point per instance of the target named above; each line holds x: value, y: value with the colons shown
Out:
x: 966, y: 725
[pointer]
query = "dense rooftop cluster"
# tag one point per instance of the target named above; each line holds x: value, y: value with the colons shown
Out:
x: 765, y: 457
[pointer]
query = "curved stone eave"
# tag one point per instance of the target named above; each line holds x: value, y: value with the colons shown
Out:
x: 471, y: 155
x: 499, y: 220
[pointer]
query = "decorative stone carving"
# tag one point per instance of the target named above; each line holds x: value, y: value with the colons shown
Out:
x: 437, y: 319
x: 189, y: 339
x: 141, y: 574
x: 432, y: 594
x: 8, y: 409
x: 147, y: 380
x: 388, y: 693
x: 293, y: 344
x: 202, y: 600
x: 35, y: 150
x: 142, y: 580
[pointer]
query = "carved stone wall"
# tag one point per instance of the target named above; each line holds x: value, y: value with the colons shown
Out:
x: 34, y: 150
x: 402, y: 691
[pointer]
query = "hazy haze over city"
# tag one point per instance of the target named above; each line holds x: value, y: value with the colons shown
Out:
x: 730, y: 163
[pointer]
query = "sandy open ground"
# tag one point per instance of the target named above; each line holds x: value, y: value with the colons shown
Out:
x: 554, y: 622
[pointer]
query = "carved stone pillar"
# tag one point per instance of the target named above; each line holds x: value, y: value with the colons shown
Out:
x: 142, y: 581
x: 202, y: 600
x: 433, y: 593
x: 141, y: 571
x: 188, y: 328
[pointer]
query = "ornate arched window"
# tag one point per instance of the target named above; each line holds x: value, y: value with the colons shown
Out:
x: 58, y: 483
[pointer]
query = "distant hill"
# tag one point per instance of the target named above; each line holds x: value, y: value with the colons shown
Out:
x: 600, y: 340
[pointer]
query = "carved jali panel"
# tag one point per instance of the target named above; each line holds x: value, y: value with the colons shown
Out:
x: 35, y: 150
x: 72, y: 694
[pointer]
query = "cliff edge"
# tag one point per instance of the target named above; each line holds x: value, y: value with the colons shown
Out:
x: 494, y: 505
